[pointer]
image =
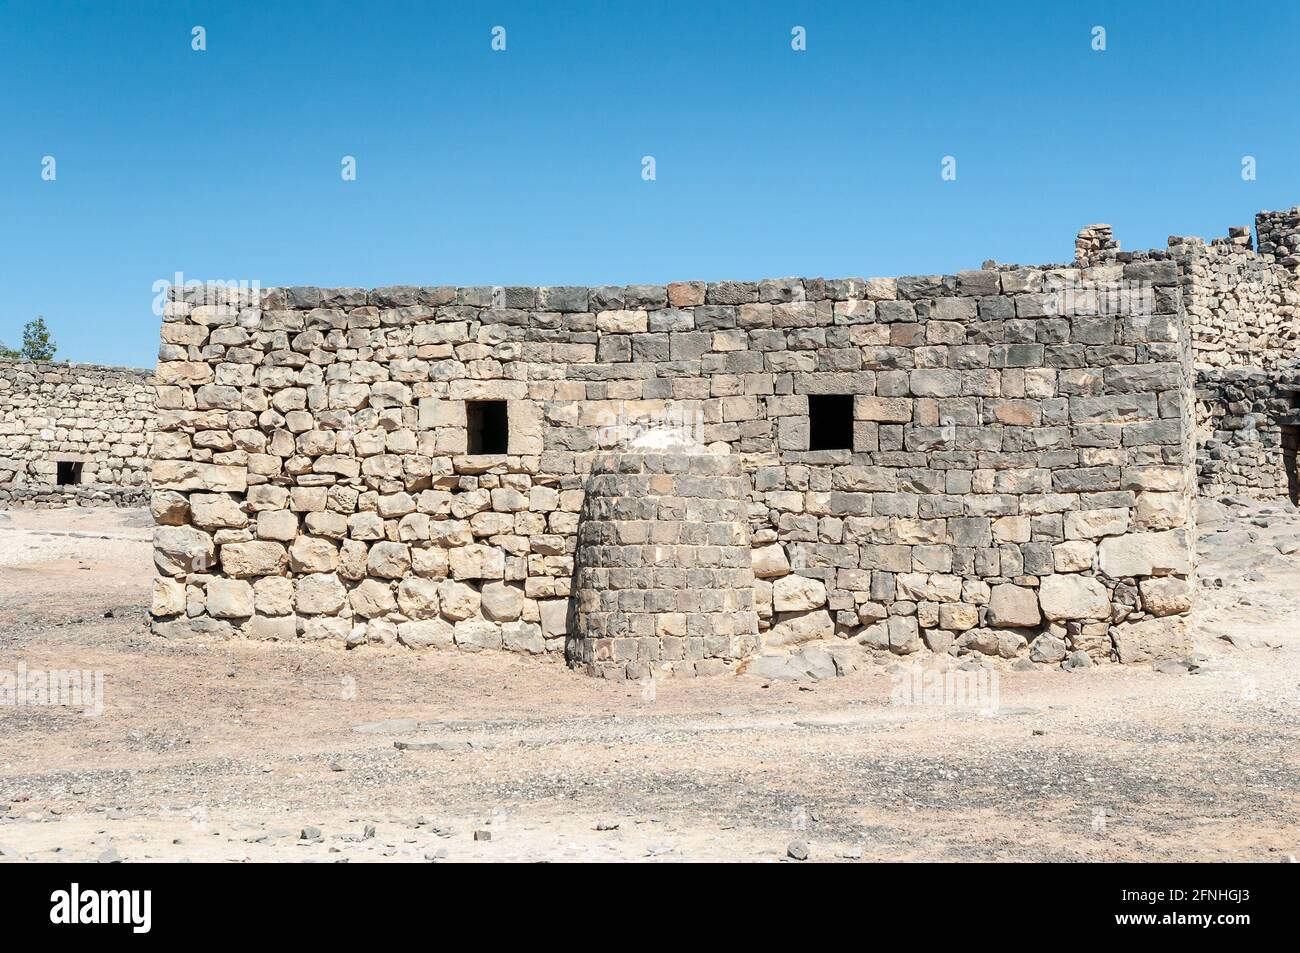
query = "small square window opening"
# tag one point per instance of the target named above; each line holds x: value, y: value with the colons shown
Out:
x: 489, y: 426
x: 830, y: 421
x: 69, y: 473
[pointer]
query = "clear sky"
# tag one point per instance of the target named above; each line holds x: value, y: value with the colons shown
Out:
x: 525, y: 166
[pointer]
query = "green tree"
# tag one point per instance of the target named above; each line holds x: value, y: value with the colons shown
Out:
x: 7, y: 353
x: 37, y: 343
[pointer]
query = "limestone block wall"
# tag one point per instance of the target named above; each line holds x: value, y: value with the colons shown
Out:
x: 1017, y: 470
x: 96, y: 421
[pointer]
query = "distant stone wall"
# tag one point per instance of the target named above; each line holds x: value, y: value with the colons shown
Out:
x: 1279, y: 236
x: 1245, y: 447
x: 1243, y: 311
x: 1243, y: 307
x: 1014, y: 464
x: 95, y: 421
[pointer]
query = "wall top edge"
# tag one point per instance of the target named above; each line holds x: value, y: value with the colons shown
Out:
x: 44, y: 367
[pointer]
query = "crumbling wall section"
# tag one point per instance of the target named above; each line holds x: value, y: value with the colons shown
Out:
x: 1279, y: 236
x: 87, y: 425
x: 1018, y: 469
x: 1243, y: 306
x: 1243, y: 312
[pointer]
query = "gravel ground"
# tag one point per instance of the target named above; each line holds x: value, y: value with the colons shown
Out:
x: 233, y: 751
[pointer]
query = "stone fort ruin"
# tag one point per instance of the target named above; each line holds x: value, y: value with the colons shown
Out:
x: 694, y: 478
x: 987, y: 461
x: 74, y: 434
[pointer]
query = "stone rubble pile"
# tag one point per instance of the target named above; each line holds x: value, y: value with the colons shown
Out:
x: 1094, y: 240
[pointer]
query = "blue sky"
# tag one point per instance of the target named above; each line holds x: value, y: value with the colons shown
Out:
x: 524, y: 166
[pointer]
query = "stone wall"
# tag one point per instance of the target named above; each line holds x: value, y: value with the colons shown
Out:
x: 1016, y: 464
x: 1243, y: 306
x: 1279, y: 236
x: 1243, y: 311
x: 96, y: 421
x: 664, y: 571
x: 1246, y: 447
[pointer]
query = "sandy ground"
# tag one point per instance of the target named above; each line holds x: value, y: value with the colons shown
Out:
x: 230, y: 751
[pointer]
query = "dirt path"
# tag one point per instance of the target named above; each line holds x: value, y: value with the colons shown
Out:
x: 228, y: 751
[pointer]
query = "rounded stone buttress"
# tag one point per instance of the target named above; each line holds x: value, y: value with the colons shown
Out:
x: 663, y: 579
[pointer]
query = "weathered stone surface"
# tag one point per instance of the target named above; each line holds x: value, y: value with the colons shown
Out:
x: 229, y: 599
x: 417, y: 597
x: 273, y: 596
x: 1152, y: 639
x: 256, y: 558
x: 168, y: 597
x: 940, y: 641
x: 501, y: 602
x: 182, y: 475
x: 1075, y: 555
x: 801, y: 627
x: 310, y: 554
x: 1015, y: 606
x: 182, y: 549
x: 774, y: 667
x: 1094, y: 524
x: 982, y: 640
x: 381, y: 632
x: 202, y: 627
x: 327, y: 629
x: 458, y: 600
x: 372, y: 598
x: 279, y: 525
x: 1064, y: 597
x: 523, y: 637
x: 212, y: 511
x: 1011, y: 643
x: 1048, y: 648
x: 272, y: 628
x: 1166, y: 595
x: 904, y: 635
x: 554, y: 614
x: 798, y: 594
x: 169, y: 508
x: 389, y: 560
x: 1141, y: 554
x: 426, y: 633
x: 319, y: 594
x: 477, y: 562
x: 474, y: 635
x: 770, y: 561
